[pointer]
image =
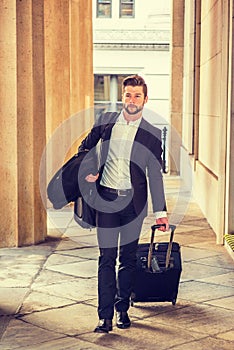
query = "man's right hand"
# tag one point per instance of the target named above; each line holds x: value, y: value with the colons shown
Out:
x: 92, y: 178
x: 164, y: 221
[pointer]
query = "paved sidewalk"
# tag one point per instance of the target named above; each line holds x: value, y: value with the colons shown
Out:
x: 48, y: 292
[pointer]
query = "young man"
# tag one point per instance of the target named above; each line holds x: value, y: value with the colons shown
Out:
x: 130, y: 152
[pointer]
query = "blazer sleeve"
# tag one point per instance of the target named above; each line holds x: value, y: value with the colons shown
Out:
x: 155, y: 174
x: 91, y: 140
x: 97, y: 131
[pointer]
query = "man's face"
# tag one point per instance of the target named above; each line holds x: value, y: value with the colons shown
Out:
x: 133, y: 99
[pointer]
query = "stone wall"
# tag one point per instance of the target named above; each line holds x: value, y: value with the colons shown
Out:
x: 206, y: 105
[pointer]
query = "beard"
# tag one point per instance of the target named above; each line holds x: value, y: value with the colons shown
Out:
x: 131, y: 109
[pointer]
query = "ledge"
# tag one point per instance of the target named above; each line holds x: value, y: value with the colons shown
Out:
x: 132, y: 46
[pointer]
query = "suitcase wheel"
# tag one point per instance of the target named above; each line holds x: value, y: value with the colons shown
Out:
x: 173, y: 301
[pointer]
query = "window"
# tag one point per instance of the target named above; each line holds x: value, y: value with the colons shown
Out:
x: 126, y: 9
x: 104, y: 8
x: 108, y: 92
x: 102, y: 88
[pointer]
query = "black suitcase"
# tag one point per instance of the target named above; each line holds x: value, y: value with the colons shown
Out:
x: 158, y: 270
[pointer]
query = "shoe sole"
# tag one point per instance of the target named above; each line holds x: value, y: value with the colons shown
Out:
x: 96, y: 330
x: 123, y: 326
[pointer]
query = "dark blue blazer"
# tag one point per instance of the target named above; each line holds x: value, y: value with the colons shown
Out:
x: 145, y: 162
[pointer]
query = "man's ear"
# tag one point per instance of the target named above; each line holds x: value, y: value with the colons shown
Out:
x: 146, y: 99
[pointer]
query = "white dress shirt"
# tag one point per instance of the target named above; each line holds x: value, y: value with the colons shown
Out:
x: 116, y: 172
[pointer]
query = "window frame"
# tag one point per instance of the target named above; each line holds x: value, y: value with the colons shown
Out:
x: 103, y: 2
x: 126, y: 2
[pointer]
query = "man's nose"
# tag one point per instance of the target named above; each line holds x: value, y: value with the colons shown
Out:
x: 131, y: 99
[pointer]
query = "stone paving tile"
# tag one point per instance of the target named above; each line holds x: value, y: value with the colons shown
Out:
x: 80, y: 289
x: 69, y: 320
x: 193, y: 230
x: 196, y: 271
x: 68, y: 244
x: 18, y: 277
x: 207, y: 246
x: 196, y: 221
x: 226, y: 279
x: 19, y: 270
x: 37, y: 301
x: 67, y: 344
x: 227, y: 335
x: 42, y: 250
x: 86, y: 240
x: 196, y: 291
x: 218, y: 260
x: 46, y: 277
x: 59, y: 218
x: 57, y: 308
x: 11, y: 300
x: 85, y: 253
x: 190, y: 239
x: 19, y: 333
x: 141, y: 310
x: 191, y: 254
x: 208, y: 343
x: 75, y: 230
x: 201, y: 318
x: 87, y: 268
x: 58, y: 259
x: 227, y: 303
x: 82, y: 240
x: 144, y: 335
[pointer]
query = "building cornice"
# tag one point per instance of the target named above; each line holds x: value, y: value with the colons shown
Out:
x: 133, y: 36
x: 131, y: 46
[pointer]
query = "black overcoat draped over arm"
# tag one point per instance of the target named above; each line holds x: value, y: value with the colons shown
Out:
x: 145, y: 162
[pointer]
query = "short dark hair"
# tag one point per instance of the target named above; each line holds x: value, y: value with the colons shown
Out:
x: 135, y: 80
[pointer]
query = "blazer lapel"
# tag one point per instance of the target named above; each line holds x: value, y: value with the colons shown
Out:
x: 139, y: 139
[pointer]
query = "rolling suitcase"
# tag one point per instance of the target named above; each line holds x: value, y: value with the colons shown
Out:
x: 158, y: 270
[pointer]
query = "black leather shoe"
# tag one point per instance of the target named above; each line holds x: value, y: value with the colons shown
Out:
x: 104, y: 326
x: 123, y: 321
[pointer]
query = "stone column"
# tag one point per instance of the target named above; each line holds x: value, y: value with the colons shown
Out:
x: 22, y: 116
x: 69, y: 77
x: 45, y: 75
x: 81, y: 70
x: 113, y: 92
x: 8, y: 125
x: 177, y: 52
x: 30, y: 119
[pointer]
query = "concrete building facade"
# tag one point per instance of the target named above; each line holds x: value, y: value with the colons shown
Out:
x: 202, y: 104
x: 132, y: 40
x: 46, y: 75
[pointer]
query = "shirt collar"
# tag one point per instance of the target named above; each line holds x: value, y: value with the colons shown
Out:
x: 122, y: 120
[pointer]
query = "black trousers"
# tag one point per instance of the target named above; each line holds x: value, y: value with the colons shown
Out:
x: 118, y: 231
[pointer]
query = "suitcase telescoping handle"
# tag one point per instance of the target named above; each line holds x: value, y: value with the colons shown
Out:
x: 154, y: 228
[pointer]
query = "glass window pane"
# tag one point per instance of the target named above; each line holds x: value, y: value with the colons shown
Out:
x: 101, y: 88
x: 104, y: 9
x: 126, y: 8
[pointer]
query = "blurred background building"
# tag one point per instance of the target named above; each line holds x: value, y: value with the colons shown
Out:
x: 131, y: 37
x: 63, y: 57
